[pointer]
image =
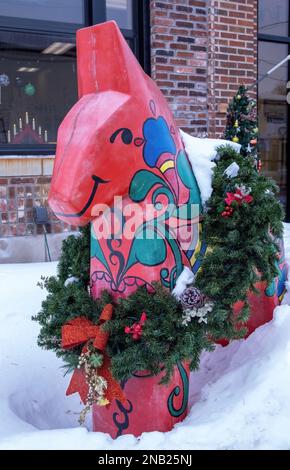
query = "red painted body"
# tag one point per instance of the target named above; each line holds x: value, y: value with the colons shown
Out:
x: 263, y: 304
x: 149, y: 407
x: 120, y: 139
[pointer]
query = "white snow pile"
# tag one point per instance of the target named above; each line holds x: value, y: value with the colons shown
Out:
x: 201, y: 153
x: 239, y: 399
x: 185, y: 279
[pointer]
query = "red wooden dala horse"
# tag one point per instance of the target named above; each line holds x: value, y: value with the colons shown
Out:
x: 120, y: 139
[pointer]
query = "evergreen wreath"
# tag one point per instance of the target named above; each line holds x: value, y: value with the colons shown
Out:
x: 164, y: 340
x: 149, y: 331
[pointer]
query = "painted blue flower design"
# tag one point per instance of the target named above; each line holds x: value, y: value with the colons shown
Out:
x: 158, y: 140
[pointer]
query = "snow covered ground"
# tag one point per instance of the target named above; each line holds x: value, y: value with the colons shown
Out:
x: 240, y: 397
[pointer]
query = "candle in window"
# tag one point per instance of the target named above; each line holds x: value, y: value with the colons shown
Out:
x: 39, y: 130
x: 45, y: 136
x: 8, y: 136
x: 14, y: 129
x: 26, y: 118
x: 33, y: 124
x: 20, y: 124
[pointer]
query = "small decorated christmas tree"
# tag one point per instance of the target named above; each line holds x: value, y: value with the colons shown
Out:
x: 242, y: 124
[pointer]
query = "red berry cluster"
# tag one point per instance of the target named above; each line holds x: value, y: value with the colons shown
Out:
x: 227, y: 212
x: 136, y: 330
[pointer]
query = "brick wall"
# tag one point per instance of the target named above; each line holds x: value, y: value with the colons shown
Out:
x: 201, y: 52
x: 18, y: 196
x: 232, y: 55
x: 179, y: 38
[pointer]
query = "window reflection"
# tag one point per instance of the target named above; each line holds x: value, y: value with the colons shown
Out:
x: 273, y: 113
x: 67, y: 11
x: 121, y: 12
x: 37, y: 84
x: 274, y: 17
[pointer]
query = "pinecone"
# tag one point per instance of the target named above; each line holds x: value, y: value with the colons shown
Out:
x: 192, y: 298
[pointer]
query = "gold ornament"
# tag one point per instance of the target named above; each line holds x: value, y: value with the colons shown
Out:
x: 256, y: 130
x: 236, y: 125
x: 239, y: 97
x: 90, y: 361
x: 103, y: 402
x: 235, y: 139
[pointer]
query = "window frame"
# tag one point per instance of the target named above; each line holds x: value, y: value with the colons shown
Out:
x: 281, y: 40
x: 94, y: 12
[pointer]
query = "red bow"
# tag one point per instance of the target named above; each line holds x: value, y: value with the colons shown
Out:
x: 136, y: 330
x: 81, y: 330
x: 239, y: 197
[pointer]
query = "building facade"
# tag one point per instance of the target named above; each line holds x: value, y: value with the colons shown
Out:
x: 197, y: 51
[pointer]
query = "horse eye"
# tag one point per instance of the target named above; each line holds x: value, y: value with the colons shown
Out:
x: 126, y: 136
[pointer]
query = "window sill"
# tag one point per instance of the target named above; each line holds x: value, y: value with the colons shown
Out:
x: 23, y: 157
x: 26, y: 165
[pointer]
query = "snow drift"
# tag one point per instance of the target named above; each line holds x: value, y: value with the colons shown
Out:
x: 239, y: 398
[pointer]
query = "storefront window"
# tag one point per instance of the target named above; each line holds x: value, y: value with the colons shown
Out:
x: 67, y: 11
x: 38, y: 77
x: 273, y: 17
x: 37, y: 85
x: 121, y: 12
x: 273, y: 113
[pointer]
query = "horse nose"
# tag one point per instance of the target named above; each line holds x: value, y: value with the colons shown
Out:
x: 96, y: 182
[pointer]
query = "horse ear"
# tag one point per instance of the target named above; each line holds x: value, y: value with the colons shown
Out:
x: 105, y: 61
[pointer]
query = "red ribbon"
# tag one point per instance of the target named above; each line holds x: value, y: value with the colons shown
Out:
x: 78, y: 331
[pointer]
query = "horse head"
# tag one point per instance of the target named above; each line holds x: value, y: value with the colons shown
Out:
x: 120, y: 125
